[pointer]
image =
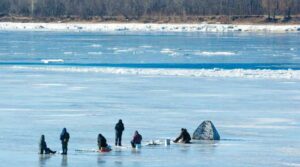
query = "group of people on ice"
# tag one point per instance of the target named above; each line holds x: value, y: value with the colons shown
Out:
x: 184, y: 137
x: 64, y: 138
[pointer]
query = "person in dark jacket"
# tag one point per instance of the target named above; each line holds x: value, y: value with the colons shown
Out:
x: 102, y: 144
x: 184, y: 137
x: 44, y: 148
x: 137, y: 139
x: 64, y: 138
x: 119, y: 130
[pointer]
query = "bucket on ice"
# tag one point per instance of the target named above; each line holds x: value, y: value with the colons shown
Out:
x: 138, y: 146
x: 167, y: 142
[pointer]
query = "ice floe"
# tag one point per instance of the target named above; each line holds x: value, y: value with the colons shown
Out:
x: 47, y: 61
x: 207, y: 53
x: 168, y: 51
x: 219, y: 73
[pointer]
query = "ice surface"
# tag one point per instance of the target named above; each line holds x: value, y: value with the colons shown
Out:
x: 252, y: 97
x: 256, y: 118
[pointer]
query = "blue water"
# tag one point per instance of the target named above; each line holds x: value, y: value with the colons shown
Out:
x: 182, y: 48
x: 258, y: 119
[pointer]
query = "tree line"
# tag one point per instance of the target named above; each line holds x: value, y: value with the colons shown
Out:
x: 135, y: 9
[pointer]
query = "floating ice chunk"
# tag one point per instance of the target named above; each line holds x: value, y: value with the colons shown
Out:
x: 125, y: 50
x: 145, y: 46
x: 169, y: 52
x: 68, y: 53
x: 96, y: 46
x: 95, y: 53
x: 46, y: 61
x: 207, y: 53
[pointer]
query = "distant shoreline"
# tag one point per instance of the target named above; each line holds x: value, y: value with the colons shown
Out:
x: 188, y: 19
x: 147, y: 27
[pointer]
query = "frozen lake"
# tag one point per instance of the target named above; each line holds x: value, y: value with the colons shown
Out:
x: 87, y: 81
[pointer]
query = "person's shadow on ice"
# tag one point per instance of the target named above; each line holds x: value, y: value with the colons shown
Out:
x: 43, y: 160
x: 64, y: 161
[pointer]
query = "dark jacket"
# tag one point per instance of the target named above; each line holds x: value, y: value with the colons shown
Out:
x: 137, y: 138
x: 64, y: 136
x: 184, y: 137
x: 119, y: 127
x: 43, y: 144
x: 102, y: 141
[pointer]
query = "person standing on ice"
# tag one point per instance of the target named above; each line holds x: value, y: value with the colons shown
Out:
x: 184, y: 137
x: 44, y: 148
x: 119, y: 131
x: 64, y: 138
x: 137, y: 139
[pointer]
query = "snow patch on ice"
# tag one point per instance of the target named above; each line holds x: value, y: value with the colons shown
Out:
x: 292, y: 164
x: 266, y: 123
x: 290, y: 151
x: 273, y: 121
x: 50, y: 85
x: 77, y: 88
x: 252, y: 126
x: 15, y: 109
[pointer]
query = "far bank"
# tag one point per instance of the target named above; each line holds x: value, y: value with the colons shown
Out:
x: 148, y: 27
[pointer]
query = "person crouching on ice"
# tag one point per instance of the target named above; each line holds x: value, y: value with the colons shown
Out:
x: 64, y: 138
x: 137, y: 139
x: 102, y: 144
x: 184, y: 137
x: 44, y: 148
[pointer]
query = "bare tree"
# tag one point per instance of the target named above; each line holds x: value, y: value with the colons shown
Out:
x: 135, y: 9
